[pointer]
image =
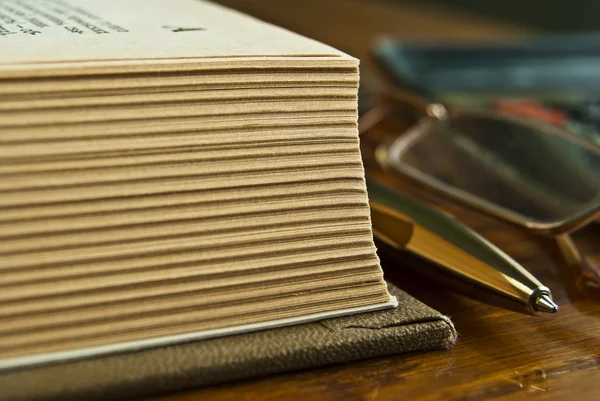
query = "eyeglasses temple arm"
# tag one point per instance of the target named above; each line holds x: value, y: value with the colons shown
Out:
x: 587, y: 277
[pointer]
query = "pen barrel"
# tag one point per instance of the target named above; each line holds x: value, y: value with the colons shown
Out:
x: 454, y: 254
x: 480, y: 290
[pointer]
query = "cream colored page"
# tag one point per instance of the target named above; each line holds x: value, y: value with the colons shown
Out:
x: 41, y: 31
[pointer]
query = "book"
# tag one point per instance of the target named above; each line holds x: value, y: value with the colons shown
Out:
x: 173, y: 171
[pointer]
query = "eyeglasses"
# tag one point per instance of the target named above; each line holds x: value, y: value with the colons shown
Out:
x: 522, y: 170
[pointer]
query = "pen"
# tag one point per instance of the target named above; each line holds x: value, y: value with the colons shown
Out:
x: 457, y: 255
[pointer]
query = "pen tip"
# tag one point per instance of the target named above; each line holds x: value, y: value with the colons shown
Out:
x: 543, y: 303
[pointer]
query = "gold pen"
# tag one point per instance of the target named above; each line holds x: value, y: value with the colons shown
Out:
x: 458, y: 256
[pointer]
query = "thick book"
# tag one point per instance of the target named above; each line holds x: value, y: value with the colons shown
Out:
x: 182, y: 203
x: 173, y: 171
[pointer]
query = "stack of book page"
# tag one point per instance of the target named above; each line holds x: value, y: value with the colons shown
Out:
x: 170, y: 171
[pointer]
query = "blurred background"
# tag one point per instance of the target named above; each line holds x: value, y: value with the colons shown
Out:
x: 546, y: 15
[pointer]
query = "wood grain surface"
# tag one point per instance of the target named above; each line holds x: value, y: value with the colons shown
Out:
x: 500, y: 355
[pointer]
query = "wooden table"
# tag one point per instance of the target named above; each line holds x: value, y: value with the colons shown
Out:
x: 500, y: 355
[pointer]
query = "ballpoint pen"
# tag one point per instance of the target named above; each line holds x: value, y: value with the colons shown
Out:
x: 457, y: 255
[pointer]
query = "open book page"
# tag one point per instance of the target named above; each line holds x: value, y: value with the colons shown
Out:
x: 42, y: 31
